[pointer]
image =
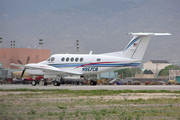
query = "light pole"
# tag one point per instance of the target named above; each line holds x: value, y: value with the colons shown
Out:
x: 13, y: 44
x: 0, y: 40
x: 40, y: 43
x: 77, y: 43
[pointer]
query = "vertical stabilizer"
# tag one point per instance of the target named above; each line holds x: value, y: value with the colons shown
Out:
x: 138, y: 44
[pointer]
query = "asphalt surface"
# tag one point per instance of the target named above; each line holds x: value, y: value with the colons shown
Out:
x: 97, y: 87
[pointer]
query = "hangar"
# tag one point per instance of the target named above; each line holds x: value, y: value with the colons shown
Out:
x: 11, y: 55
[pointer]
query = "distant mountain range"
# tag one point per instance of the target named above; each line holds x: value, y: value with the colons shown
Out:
x: 99, y: 25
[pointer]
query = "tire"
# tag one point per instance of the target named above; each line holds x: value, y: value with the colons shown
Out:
x: 59, y: 83
x: 93, y: 82
x: 33, y: 83
x: 45, y: 83
x: 56, y: 83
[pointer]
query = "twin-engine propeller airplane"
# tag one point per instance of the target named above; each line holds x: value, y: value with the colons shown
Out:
x: 59, y: 65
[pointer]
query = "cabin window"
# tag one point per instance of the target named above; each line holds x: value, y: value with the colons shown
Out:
x: 76, y: 59
x: 48, y: 59
x: 98, y: 59
x: 62, y: 59
x: 67, y: 59
x: 81, y: 59
x: 52, y: 58
x: 72, y: 59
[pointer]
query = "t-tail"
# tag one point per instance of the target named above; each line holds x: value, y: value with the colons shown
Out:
x: 137, y: 46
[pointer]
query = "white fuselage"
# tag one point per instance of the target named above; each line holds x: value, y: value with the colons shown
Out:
x: 84, y: 64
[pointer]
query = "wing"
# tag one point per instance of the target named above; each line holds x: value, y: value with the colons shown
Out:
x: 46, y: 68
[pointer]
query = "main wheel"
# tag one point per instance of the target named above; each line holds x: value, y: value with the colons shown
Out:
x: 92, y: 82
x: 56, y: 83
x: 45, y: 83
x: 33, y: 83
x: 95, y: 82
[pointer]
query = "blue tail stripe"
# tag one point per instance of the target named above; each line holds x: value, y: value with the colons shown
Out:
x: 136, y: 39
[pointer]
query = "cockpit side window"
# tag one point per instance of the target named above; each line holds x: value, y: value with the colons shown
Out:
x: 52, y: 58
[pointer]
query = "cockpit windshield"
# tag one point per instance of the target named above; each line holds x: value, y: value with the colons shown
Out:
x: 51, y: 59
x: 48, y: 59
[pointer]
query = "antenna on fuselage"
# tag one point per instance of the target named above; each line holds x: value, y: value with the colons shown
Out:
x: 90, y: 52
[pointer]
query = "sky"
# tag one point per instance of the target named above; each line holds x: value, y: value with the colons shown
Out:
x: 14, y: 29
x: 14, y: 8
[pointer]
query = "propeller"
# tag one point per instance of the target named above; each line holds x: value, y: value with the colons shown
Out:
x: 24, y: 68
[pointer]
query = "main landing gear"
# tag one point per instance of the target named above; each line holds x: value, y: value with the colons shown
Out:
x: 57, y: 82
x: 92, y: 79
x: 42, y: 82
x: 93, y: 82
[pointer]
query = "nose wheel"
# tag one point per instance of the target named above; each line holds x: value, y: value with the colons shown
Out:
x: 33, y: 83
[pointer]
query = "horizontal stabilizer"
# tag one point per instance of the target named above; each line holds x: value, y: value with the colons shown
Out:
x: 148, y: 34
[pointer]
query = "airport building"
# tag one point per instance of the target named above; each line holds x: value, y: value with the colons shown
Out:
x: 12, y: 55
x: 156, y: 65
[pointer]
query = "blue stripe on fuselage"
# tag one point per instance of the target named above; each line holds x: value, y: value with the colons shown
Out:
x: 94, y: 65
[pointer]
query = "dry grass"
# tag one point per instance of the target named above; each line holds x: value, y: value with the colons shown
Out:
x: 73, y: 105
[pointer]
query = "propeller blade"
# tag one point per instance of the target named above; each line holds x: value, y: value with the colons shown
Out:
x: 22, y: 74
x: 24, y: 68
x: 20, y: 62
x: 28, y: 60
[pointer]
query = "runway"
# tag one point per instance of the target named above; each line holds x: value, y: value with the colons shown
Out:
x: 97, y: 87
